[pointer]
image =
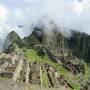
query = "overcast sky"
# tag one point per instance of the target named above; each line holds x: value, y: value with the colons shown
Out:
x: 72, y: 14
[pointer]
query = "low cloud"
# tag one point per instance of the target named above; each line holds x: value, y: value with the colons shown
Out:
x: 79, y: 6
x: 67, y: 14
x: 4, y: 13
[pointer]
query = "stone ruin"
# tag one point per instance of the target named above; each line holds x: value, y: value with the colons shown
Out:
x: 6, y: 74
x: 68, y: 61
x: 85, y: 86
x: 18, y: 69
x: 7, y: 67
x: 75, y: 68
x: 56, y: 80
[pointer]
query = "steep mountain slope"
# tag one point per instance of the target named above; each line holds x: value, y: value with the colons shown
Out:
x: 50, y: 39
x: 80, y: 44
x: 11, y: 38
x: 34, y: 38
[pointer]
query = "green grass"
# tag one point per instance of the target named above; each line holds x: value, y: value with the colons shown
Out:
x: 2, y: 78
x: 32, y: 55
x: 86, y: 77
x: 76, y: 86
x: 87, y: 72
x: 45, y: 80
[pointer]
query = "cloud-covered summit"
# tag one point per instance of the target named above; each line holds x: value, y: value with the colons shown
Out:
x: 71, y: 14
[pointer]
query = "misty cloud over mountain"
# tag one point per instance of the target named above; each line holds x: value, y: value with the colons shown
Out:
x: 66, y: 14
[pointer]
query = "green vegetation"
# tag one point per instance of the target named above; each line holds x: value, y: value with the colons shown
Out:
x: 33, y: 56
x: 75, y: 85
x: 31, y: 40
x: 44, y: 78
x: 86, y: 77
x: 87, y: 72
x: 80, y: 44
x: 1, y: 78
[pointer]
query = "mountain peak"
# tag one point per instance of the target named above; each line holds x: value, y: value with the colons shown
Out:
x: 11, y: 38
x: 12, y: 34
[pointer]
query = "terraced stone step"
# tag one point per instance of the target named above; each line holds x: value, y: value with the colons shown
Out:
x: 34, y: 75
x: 23, y: 71
x: 7, y: 66
x: 55, y: 79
